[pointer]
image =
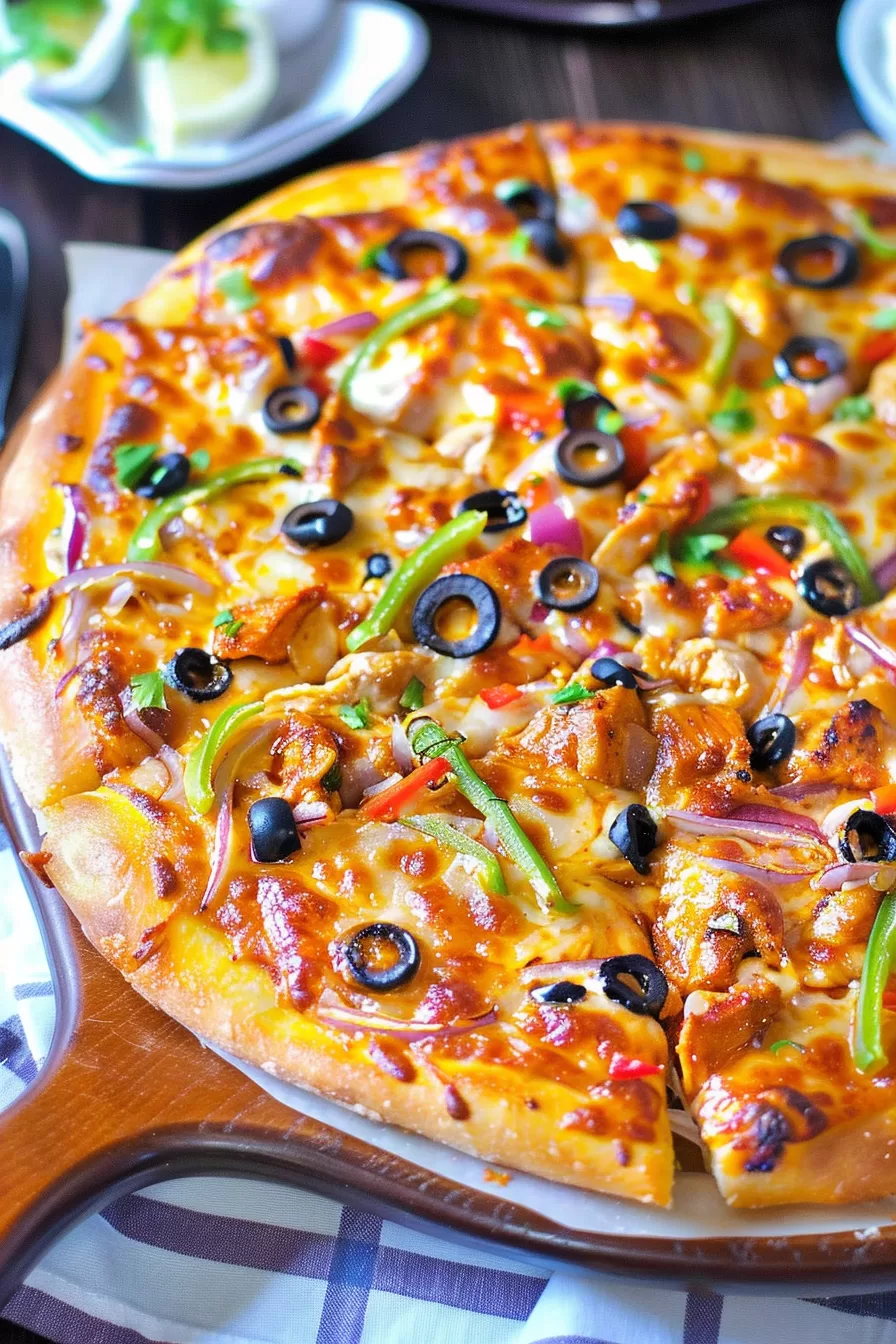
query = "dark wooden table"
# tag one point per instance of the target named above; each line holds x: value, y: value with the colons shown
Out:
x: 772, y: 67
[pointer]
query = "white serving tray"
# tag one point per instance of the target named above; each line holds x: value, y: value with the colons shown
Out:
x: 362, y: 59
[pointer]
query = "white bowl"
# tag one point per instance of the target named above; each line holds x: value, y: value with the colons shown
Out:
x: 863, y: 52
x: 291, y: 21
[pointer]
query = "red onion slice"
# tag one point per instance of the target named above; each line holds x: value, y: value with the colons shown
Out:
x: 620, y: 305
x: 383, y: 784
x: 401, y: 748
x: 832, y: 879
x: 74, y: 525
x: 557, y: 970
x: 307, y: 814
x: 171, y: 759
x: 775, y: 876
x: 550, y: 525
x: 696, y: 823
x: 351, y: 325
x: 795, y: 793
x: 881, y: 654
x: 220, y: 848
x: 358, y: 1019
x: 357, y: 777
x: 157, y: 570
x: 777, y: 816
x: 885, y: 573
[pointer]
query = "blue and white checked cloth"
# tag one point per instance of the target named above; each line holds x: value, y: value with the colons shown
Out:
x: 176, y: 1264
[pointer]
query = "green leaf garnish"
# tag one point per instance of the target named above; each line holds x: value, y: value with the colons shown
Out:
x: 537, y: 316
x: 201, y: 460
x: 518, y: 247
x: 226, y: 621
x: 132, y: 461
x: 368, y: 257
x: 854, y: 408
x: 332, y: 779
x: 574, y: 389
x: 661, y: 560
x: 700, y: 547
x: 693, y: 160
x: 734, y: 415
x: 610, y: 422
x: 572, y: 694
x: 413, y: 694
x: 237, y: 288
x: 147, y: 691
x: 356, y: 716
x: 884, y: 320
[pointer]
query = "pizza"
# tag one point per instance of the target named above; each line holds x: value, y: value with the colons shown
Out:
x: 450, y: 648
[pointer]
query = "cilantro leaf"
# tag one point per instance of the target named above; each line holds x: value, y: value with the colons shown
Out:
x: 693, y: 160
x: 572, y: 694
x: 854, y: 408
x: 368, y: 258
x: 132, y: 462
x: 148, y: 691
x: 332, y: 779
x: 610, y: 422
x: 575, y: 389
x: 228, y: 623
x: 356, y: 716
x: 201, y: 460
x: 237, y: 288
x: 413, y: 694
x: 734, y: 415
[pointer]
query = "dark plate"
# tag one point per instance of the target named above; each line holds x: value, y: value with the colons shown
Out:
x: 596, y: 13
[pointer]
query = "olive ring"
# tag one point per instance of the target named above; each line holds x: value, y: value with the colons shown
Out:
x: 319, y: 522
x: 649, y: 998
x: 843, y: 253
x: 568, y: 583
x: 610, y: 452
x: 467, y: 588
x: 390, y: 259
x: 405, y: 967
x: 291, y: 409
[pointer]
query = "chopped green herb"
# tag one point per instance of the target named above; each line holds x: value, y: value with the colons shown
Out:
x: 854, y: 408
x: 164, y: 27
x: 537, y: 316
x: 356, y: 716
x: 574, y: 389
x: 661, y: 559
x: 201, y: 460
x: 734, y: 415
x: 413, y: 694
x: 641, y: 496
x: 572, y: 694
x: 876, y: 245
x: 518, y: 246
x: 132, y: 462
x: 610, y: 422
x: 237, y: 288
x: 884, y: 319
x: 148, y: 691
x: 699, y: 547
x: 781, y: 1045
x: 368, y: 258
x: 332, y: 779
x: 226, y: 621
x: 729, y: 568
x: 693, y: 160
x: 646, y: 255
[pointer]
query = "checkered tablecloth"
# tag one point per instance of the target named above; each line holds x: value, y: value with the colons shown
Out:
x: 223, y: 1261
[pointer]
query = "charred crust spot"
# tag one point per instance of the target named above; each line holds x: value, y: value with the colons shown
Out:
x: 781, y: 1115
x: 770, y: 1131
x: 164, y: 877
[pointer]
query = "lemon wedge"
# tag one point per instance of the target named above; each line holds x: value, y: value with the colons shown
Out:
x: 199, y: 96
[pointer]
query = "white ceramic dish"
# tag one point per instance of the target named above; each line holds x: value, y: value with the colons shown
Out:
x: 860, y: 37
x: 365, y: 54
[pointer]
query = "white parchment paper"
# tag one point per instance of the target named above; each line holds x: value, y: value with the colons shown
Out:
x: 101, y: 278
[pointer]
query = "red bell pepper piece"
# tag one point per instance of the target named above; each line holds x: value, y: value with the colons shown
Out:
x: 702, y: 499
x: 498, y: 696
x: 623, y: 1067
x: 878, y: 347
x: 526, y: 644
x: 635, y: 444
x: 387, y: 805
x: 751, y: 550
x: 885, y: 802
x: 319, y: 354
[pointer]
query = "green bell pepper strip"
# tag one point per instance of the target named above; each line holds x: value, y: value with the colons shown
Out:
x: 448, y: 835
x: 431, y: 304
x: 417, y: 570
x: 760, y: 510
x: 198, y: 788
x: 867, y: 1048
x: 145, y: 544
x: 428, y: 740
x: 877, y: 246
x: 724, y: 326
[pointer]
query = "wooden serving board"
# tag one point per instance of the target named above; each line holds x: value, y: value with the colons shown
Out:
x: 128, y: 1097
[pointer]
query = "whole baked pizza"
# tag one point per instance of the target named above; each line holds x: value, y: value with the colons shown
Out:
x: 450, y: 648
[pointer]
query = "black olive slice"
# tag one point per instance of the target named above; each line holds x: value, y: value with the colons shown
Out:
x: 634, y: 835
x: 828, y: 588
x: 272, y: 827
x: 772, y: 740
x: 842, y: 256
x: 320, y: 522
x: 582, y: 412
x: 366, y: 945
x: 612, y: 673
x: 544, y: 236
x: 197, y: 674
x: 607, y: 449
x: 650, y: 996
x: 829, y: 355
x: 166, y: 474
x: 453, y: 588
x: 568, y: 583
x: 291, y: 409
x: 786, y: 539
x: 528, y: 199
x: 378, y: 565
x: 23, y: 625
x: 564, y: 991
x: 647, y: 219
x: 390, y: 259
x: 288, y: 351
x: 504, y: 508
x: 868, y: 838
